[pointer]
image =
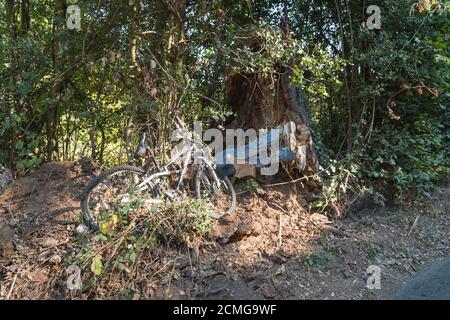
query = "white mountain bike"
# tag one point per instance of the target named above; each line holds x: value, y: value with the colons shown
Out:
x: 112, y: 190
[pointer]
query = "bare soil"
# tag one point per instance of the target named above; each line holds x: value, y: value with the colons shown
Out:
x: 273, y: 247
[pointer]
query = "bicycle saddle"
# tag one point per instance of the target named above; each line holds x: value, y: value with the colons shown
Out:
x: 225, y: 170
x: 141, y: 149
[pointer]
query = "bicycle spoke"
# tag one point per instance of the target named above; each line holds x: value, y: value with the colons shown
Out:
x: 112, y: 194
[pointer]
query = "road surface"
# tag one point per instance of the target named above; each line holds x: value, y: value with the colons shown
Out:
x: 431, y: 283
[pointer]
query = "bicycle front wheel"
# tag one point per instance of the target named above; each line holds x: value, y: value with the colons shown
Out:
x: 221, y: 198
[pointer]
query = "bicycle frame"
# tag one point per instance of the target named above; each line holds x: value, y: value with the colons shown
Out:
x: 189, y: 150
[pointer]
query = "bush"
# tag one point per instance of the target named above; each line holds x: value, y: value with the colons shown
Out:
x: 410, y: 160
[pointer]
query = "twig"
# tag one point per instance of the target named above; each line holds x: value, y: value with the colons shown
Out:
x: 12, y: 286
x: 279, y: 207
x: 337, y: 231
x: 167, y: 291
x: 412, y: 227
x: 294, y: 181
x: 280, y: 239
x: 341, y: 232
x: 210, y: 292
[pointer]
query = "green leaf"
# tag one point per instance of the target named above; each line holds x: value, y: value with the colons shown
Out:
x: 133, y: 257
x: 122, y: 266
x: 97, y: 265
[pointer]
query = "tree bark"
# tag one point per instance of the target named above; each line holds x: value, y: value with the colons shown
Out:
x: 133, y: 35
x: 260, y: 105
x: 269, y: 101
x: 25, y: 16
x: 10, y: 100
x: 58, y: 87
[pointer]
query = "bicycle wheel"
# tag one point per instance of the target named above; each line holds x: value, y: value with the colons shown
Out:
x: 110, y: 192
x: 222, y: 198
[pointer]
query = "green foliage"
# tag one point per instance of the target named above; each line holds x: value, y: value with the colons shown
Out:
x: 262, y: 49
x: 317, y: 261
x: 387, y: 115
x: 371, y: 253
x: 193, y: 217
x: 408, y: 160
x: 251, y: 186
x: 342, y: 184
x: 409, y: 150
x: 139, y: 232
x: 378, y: 98
x: 97, y: 265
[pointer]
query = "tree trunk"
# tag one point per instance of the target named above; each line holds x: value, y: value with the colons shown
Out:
x: 58, y: 86
x: 133, y: 35
x: 268, y: 101
x: 25, y: 16
x: 12, y: 100
x: 259, y: 105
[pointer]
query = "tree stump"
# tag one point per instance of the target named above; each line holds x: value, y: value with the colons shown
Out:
x: 265, y: 101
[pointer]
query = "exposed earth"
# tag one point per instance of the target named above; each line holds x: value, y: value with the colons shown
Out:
x: 273, y: 247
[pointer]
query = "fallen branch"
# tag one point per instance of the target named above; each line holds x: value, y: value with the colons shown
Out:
x: 12, y: 286
x: 295, y: 180
x: 339, y: 232
x: 412, y: 227
x: 280, y: 228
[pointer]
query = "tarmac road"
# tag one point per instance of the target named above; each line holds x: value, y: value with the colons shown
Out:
x: 431, y: 283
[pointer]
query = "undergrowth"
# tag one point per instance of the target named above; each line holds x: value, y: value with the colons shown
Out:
x: 140, y: 242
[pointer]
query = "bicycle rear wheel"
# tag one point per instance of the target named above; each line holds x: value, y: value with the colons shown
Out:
x: 221, y: 198
x: 110, y: 192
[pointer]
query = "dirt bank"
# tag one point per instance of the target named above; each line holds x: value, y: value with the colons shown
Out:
x: 273, y: 247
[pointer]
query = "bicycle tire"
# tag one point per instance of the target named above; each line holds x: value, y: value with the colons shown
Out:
x: 85, y: 196
x: 226, y: 180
